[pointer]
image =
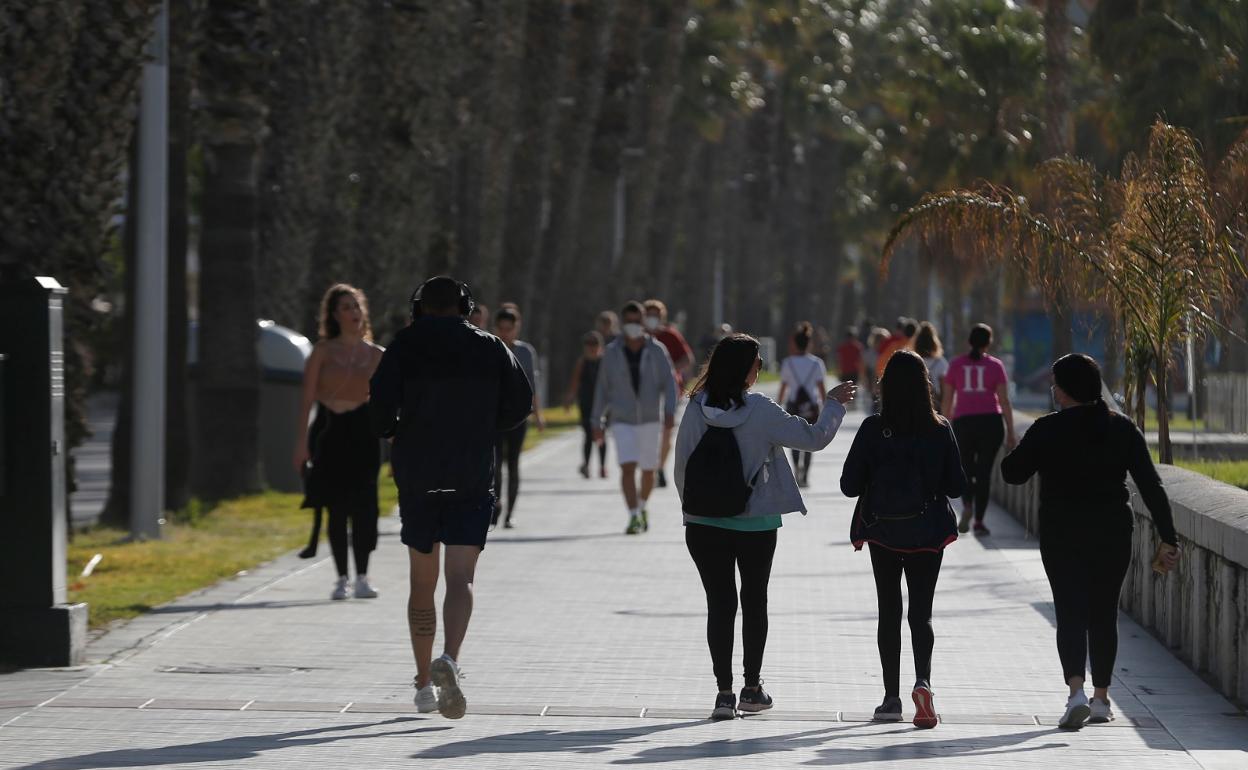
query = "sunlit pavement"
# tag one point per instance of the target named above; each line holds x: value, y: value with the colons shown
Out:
x: 587, y: 649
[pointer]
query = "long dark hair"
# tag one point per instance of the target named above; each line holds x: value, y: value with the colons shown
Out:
x: 723, y: 377
x: 1080, y: 377
x: 927, y: 341
x: 802, y: 334
x: 328, y: 327
x: 906, y: 394
x: 980, y: 338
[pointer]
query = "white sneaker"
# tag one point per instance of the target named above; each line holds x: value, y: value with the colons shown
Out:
x: 342, y: 589
x: 1076, y: 712
x: 1100, y: 712
x: 363, y: 588
x: 445, y: 675
x: 426, y: 699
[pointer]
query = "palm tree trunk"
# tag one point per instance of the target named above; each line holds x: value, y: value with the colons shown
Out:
x: 228, y: 403
x: 1165, y: 451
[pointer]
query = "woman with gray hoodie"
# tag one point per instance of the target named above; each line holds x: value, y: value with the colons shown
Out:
x: 723, y: 544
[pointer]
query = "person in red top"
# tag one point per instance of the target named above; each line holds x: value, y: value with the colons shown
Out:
x: 682, y: 362
x: 849, y: 357
x: 899, y: 340
x: 977, y: 397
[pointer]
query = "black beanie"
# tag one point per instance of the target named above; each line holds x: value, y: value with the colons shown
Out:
x: 1079, y: 376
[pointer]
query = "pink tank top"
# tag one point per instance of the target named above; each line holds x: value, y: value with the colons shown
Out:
x: 974, y: 385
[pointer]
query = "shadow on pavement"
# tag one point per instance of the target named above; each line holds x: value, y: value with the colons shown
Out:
x: 235, y: 748
x: 548, y: 741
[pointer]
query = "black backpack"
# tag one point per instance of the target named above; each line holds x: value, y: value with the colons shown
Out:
x: 896, y: 490
x: 714, y: 483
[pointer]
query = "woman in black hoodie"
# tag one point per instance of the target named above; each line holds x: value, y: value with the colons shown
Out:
x: 1083, y: 454
x: 903, y: 467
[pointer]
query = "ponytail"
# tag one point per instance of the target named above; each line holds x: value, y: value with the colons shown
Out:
x: 980, y: 338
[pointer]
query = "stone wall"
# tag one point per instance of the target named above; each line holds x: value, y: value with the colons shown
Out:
x: 1201, y: 610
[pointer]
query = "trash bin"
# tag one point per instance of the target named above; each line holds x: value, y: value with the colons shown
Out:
x: 281, y: 353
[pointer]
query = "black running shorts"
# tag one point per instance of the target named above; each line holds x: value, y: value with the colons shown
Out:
x: 445, y: 522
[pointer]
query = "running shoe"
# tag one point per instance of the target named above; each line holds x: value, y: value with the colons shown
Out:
x: 426, y: 699
x: 445, y: 675
x: 634, y: 525
x: 889, y: 710
x: 754, y: 699
x: 584, y: 471
x: 964, y: 525
x: 507, y: 523
x: 602, y: 472
x: 645, y: 520
x: 660, y: 478
x: 924, y: 708
x: 1077, y: 712
x: 725, y: 707
x: 980, y: 529
x: 1099, y: 712
x: 308, y: 552
x: 363, y: 588
x: 342, y: 589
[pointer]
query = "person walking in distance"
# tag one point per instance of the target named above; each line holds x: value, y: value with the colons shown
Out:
x: 480, y: 317
x: 927, y: 345
x: 341, y: 466
x: 1083, y: 453
x: 801, y: 388
x: 734, y: 486
x: 636, y: 390
x: 849, y: 357
x: 511, y: 443
x: 682, y: 363
x: 900, y: 339
x: 581, y: 390
x: 608, y: 325
x: 903, y: 467
x: 977, y: 399
x: 443, y: 391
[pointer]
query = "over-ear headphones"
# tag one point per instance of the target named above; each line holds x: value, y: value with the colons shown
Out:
x: 466, y: 302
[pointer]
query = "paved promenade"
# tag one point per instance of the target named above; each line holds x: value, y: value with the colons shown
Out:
x: 587, y: 650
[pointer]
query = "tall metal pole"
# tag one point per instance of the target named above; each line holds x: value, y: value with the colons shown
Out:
x: 147, y: 464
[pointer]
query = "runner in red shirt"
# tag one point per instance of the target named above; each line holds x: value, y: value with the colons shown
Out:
x: 682, y: 363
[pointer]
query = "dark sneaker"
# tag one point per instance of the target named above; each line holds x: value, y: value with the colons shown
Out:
x: 889, y: 710
x: 725, y: 707
x: 645, y: 520
x: 754, y: 700
x: 634, y: 525
x: 660, y: 478
x: 980, y: 529
x: 584, y: 471
x: 964, y: 525
x: 924, y: 707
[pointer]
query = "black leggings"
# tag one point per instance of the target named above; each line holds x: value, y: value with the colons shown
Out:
x: 588, y: 447
x: 921, y: 569
x: 507, y: 449
x: 719, y: 553
x: 979, y: 439
x: 801, y: 461
x: 1086, y: 579
x: 363, y: 538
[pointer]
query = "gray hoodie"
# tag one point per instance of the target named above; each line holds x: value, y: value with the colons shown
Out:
x: 762, y: 429
x: 614, y: 396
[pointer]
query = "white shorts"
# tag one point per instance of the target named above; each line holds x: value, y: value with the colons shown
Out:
x: 638, y: 444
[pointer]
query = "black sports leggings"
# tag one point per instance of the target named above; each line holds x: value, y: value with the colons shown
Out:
x: 507, y: 449
x: 363, y: 538
x: 719, y: 553
x: 588, y: 447
x: 921, y: 570
x: 979, y: 439
x: 1086, y: 578
x: 801, y: 460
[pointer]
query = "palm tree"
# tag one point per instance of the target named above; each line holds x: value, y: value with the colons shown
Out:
x: 232, y: 72
x: 1162, y: 243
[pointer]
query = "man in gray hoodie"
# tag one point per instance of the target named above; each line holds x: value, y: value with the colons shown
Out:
x: 635, y: 382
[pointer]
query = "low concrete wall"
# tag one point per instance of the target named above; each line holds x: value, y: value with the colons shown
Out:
x: 1201, y: 610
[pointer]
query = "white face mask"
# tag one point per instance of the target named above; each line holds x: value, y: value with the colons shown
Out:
x: 652, y: 322
x: 634, y: 331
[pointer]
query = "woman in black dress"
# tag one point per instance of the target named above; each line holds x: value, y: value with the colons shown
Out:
x: 1083, y: 453
x: 341, y: 465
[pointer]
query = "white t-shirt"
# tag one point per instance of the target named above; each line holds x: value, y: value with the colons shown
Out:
x: 937, y: 368
x: 802, y: 371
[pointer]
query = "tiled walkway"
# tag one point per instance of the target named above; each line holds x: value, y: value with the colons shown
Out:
x: 587, y: 650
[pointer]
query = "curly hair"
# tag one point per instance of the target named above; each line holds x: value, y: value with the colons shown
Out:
x: 327, y: 326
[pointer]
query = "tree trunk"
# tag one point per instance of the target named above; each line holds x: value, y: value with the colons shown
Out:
x: 1165, y: 452
x: 228, y: 403
x: 506, y: 36
x: 662, y: 91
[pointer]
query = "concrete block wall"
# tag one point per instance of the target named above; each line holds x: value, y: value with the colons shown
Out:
x: 1201, y: 610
